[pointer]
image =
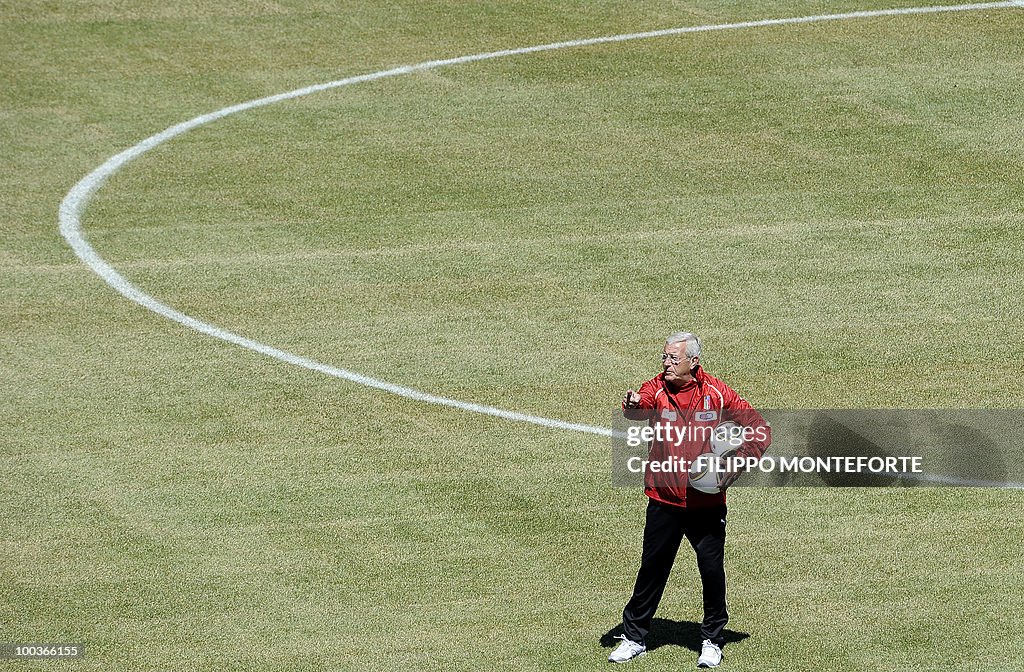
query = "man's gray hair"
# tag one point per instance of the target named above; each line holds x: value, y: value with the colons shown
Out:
x: 691, y: 340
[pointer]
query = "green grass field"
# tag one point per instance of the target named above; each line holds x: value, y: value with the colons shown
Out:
x: 835, y: 207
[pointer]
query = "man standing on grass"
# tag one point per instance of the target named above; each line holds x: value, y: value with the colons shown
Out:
x: 690, y: 402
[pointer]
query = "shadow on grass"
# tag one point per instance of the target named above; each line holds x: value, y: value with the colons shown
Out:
x: 672, y: 633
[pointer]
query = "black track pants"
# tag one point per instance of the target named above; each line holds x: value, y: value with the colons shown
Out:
x: 663, y: 533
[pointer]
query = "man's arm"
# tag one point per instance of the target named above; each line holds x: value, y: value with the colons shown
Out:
x: 636, y: 405
x: 757, y: 432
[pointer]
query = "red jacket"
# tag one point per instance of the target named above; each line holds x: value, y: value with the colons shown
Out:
x: 701, y: 404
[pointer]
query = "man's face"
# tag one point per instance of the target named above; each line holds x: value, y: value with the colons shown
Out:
x: 675, y: 363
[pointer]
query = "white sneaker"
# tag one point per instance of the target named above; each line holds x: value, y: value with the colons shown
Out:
x: 710, y: 654
x: 628, y: 650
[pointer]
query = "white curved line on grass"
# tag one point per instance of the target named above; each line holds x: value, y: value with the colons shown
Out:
x: 75, y: 201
